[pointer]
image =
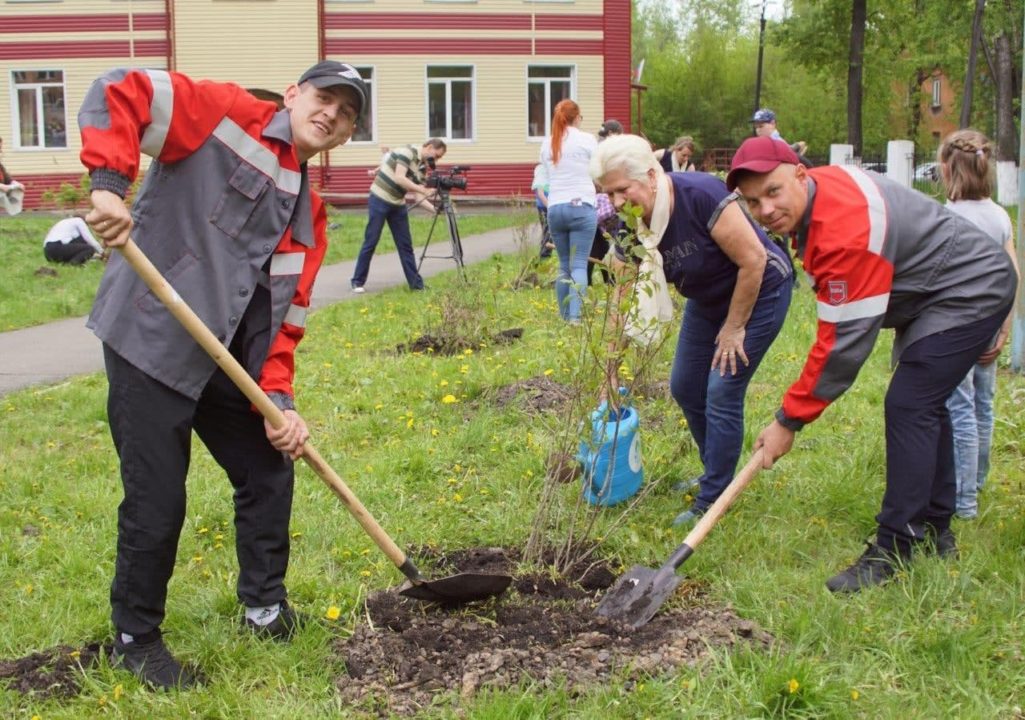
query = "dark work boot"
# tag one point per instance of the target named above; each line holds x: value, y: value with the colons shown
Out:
x: 941, y: 542
x: 150, y: 660
x: 875, y: 567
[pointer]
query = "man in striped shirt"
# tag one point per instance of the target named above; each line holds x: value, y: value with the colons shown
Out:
x: 401, y: 172
x: 882, y: 256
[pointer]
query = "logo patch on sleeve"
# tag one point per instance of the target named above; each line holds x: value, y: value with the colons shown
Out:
x: 837, y: 291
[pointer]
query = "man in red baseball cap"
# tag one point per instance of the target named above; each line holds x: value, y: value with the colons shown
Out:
x: 882, y: 256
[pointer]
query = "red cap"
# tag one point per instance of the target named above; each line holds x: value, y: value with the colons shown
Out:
x: 759, y: 155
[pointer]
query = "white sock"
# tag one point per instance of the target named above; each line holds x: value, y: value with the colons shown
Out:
x: 263, y: 615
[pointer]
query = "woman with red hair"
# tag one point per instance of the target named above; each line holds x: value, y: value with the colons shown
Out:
x: 566, y: 155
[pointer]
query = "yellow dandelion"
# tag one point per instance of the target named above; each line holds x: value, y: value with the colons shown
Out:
x: 855, y: 695
x: 197, y: 559
x: 793, y: 686
x: 296, y: 535
x: 119, y: 690
x: 468, y: 351
x: 549, y: 371
x: 204, y: 531
x: 378, y: 406
x: 329, y: 365
x: 456, y: 497
x: 443, y: 383
x: 364, y: 573
x: 434, y: 432
x: 333, y: 613
x: 75, y: 654
x: 449, y: 399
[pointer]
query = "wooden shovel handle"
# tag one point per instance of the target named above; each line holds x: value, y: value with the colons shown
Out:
x: 720, y: 506
x: 220, y: 355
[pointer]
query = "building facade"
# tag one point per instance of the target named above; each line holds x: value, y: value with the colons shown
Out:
x: 483, y: 74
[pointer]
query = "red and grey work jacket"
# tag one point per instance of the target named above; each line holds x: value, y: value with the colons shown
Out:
x: 225, y: 212
x: 882, y: 256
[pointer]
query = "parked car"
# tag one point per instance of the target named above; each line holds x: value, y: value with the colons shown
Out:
x: 879, y: 167
x: 927, y: 172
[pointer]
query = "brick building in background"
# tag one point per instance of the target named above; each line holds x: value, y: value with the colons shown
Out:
x: 484, y: 75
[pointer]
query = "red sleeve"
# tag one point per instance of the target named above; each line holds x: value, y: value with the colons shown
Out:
x: 164, y: 114
x: 278, y: 371
x: 852, y: 287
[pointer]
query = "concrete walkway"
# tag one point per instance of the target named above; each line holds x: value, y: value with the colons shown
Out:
x: 50, y: 353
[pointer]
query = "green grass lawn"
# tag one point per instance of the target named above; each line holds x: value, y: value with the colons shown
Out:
x: 944, y: 641
x: 29, y: 298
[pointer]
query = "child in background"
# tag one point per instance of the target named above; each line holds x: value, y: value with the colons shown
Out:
x: 964, y: 160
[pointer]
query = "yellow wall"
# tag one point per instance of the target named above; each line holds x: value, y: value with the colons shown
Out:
x: 268, y: 43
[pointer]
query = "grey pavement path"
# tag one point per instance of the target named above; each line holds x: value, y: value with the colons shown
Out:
x: 50, y: 353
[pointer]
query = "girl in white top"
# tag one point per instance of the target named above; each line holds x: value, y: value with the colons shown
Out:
x: 566, y: 155
x: 69, y: 241
x: 964, y: 167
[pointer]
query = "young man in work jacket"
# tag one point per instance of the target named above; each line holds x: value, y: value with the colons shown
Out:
x: 227, y: 215
x: 882, y: 255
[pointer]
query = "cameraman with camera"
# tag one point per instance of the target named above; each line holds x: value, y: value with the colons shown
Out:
x: 400, y: 172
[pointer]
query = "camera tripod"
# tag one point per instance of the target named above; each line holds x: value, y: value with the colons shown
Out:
x: 453, y: 233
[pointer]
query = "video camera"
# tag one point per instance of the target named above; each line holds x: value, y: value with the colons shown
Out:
x: 445, y: 180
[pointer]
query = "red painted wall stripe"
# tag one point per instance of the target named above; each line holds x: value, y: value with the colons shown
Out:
x: 425, y: 21
x: 618, y: 68
x: 495, y: 180
x: 568, y: 22
x: 82, y: 23
x: 347, y: 47
x: 81, y: 49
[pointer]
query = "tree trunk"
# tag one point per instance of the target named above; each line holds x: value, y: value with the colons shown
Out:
x: 973, y: 53
x: 915, y: 102
x: 1005, y: 135
x: 854, y: 74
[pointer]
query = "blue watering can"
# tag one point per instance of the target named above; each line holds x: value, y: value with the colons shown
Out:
x: 611, y: 461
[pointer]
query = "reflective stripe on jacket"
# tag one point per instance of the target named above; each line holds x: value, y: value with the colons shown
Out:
x: 224, y: 207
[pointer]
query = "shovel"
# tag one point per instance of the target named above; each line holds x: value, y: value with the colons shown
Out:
x: 455, y: 589
x: 637, y: 595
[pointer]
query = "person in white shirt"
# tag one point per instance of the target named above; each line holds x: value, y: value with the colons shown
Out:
x: 566, y: 155
x: 69, y: 241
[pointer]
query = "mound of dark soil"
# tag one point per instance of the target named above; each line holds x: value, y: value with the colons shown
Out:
x: 542, y: 630
x: 55, y: 673
x: 453, y: 344
x: 538, y: 394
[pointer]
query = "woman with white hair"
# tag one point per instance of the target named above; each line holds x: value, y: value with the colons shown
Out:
x: 737, y: 284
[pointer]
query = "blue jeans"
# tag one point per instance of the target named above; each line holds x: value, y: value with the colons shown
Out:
x: 714, y: 404
x: 397, y: 216
x: 572, y: 228
x: 971, y: 418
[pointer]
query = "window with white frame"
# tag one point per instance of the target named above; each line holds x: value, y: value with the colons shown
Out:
x: 936, y: 88
x: 450, y: 102
x: 40, y: 120
x: 365, y: 123
x: 547, y: 85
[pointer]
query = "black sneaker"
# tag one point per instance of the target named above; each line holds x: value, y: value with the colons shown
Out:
x: 283, y: 627
x: 942, y: 543
x: 150, y: 660
x: 875, y: 567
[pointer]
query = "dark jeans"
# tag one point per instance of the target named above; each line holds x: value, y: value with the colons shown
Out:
x: 397, y: 217
x: 599, y: 247
x: 152, y: 425
x: 76, y: 252
x: 546, y: 236
x: 714, y: 404
x: 920, y: 478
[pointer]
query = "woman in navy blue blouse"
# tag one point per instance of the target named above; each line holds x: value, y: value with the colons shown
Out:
x: 737, y: 283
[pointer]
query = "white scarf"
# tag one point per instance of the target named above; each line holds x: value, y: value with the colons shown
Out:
x: 652, y: 308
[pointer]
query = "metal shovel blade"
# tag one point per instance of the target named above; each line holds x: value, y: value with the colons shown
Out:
x: 456, y: 589
x: 637, y: 595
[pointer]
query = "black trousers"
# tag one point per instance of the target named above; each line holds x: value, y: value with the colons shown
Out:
x: 75, y: 252
x: 920, y: 484
x: 152, y: 426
